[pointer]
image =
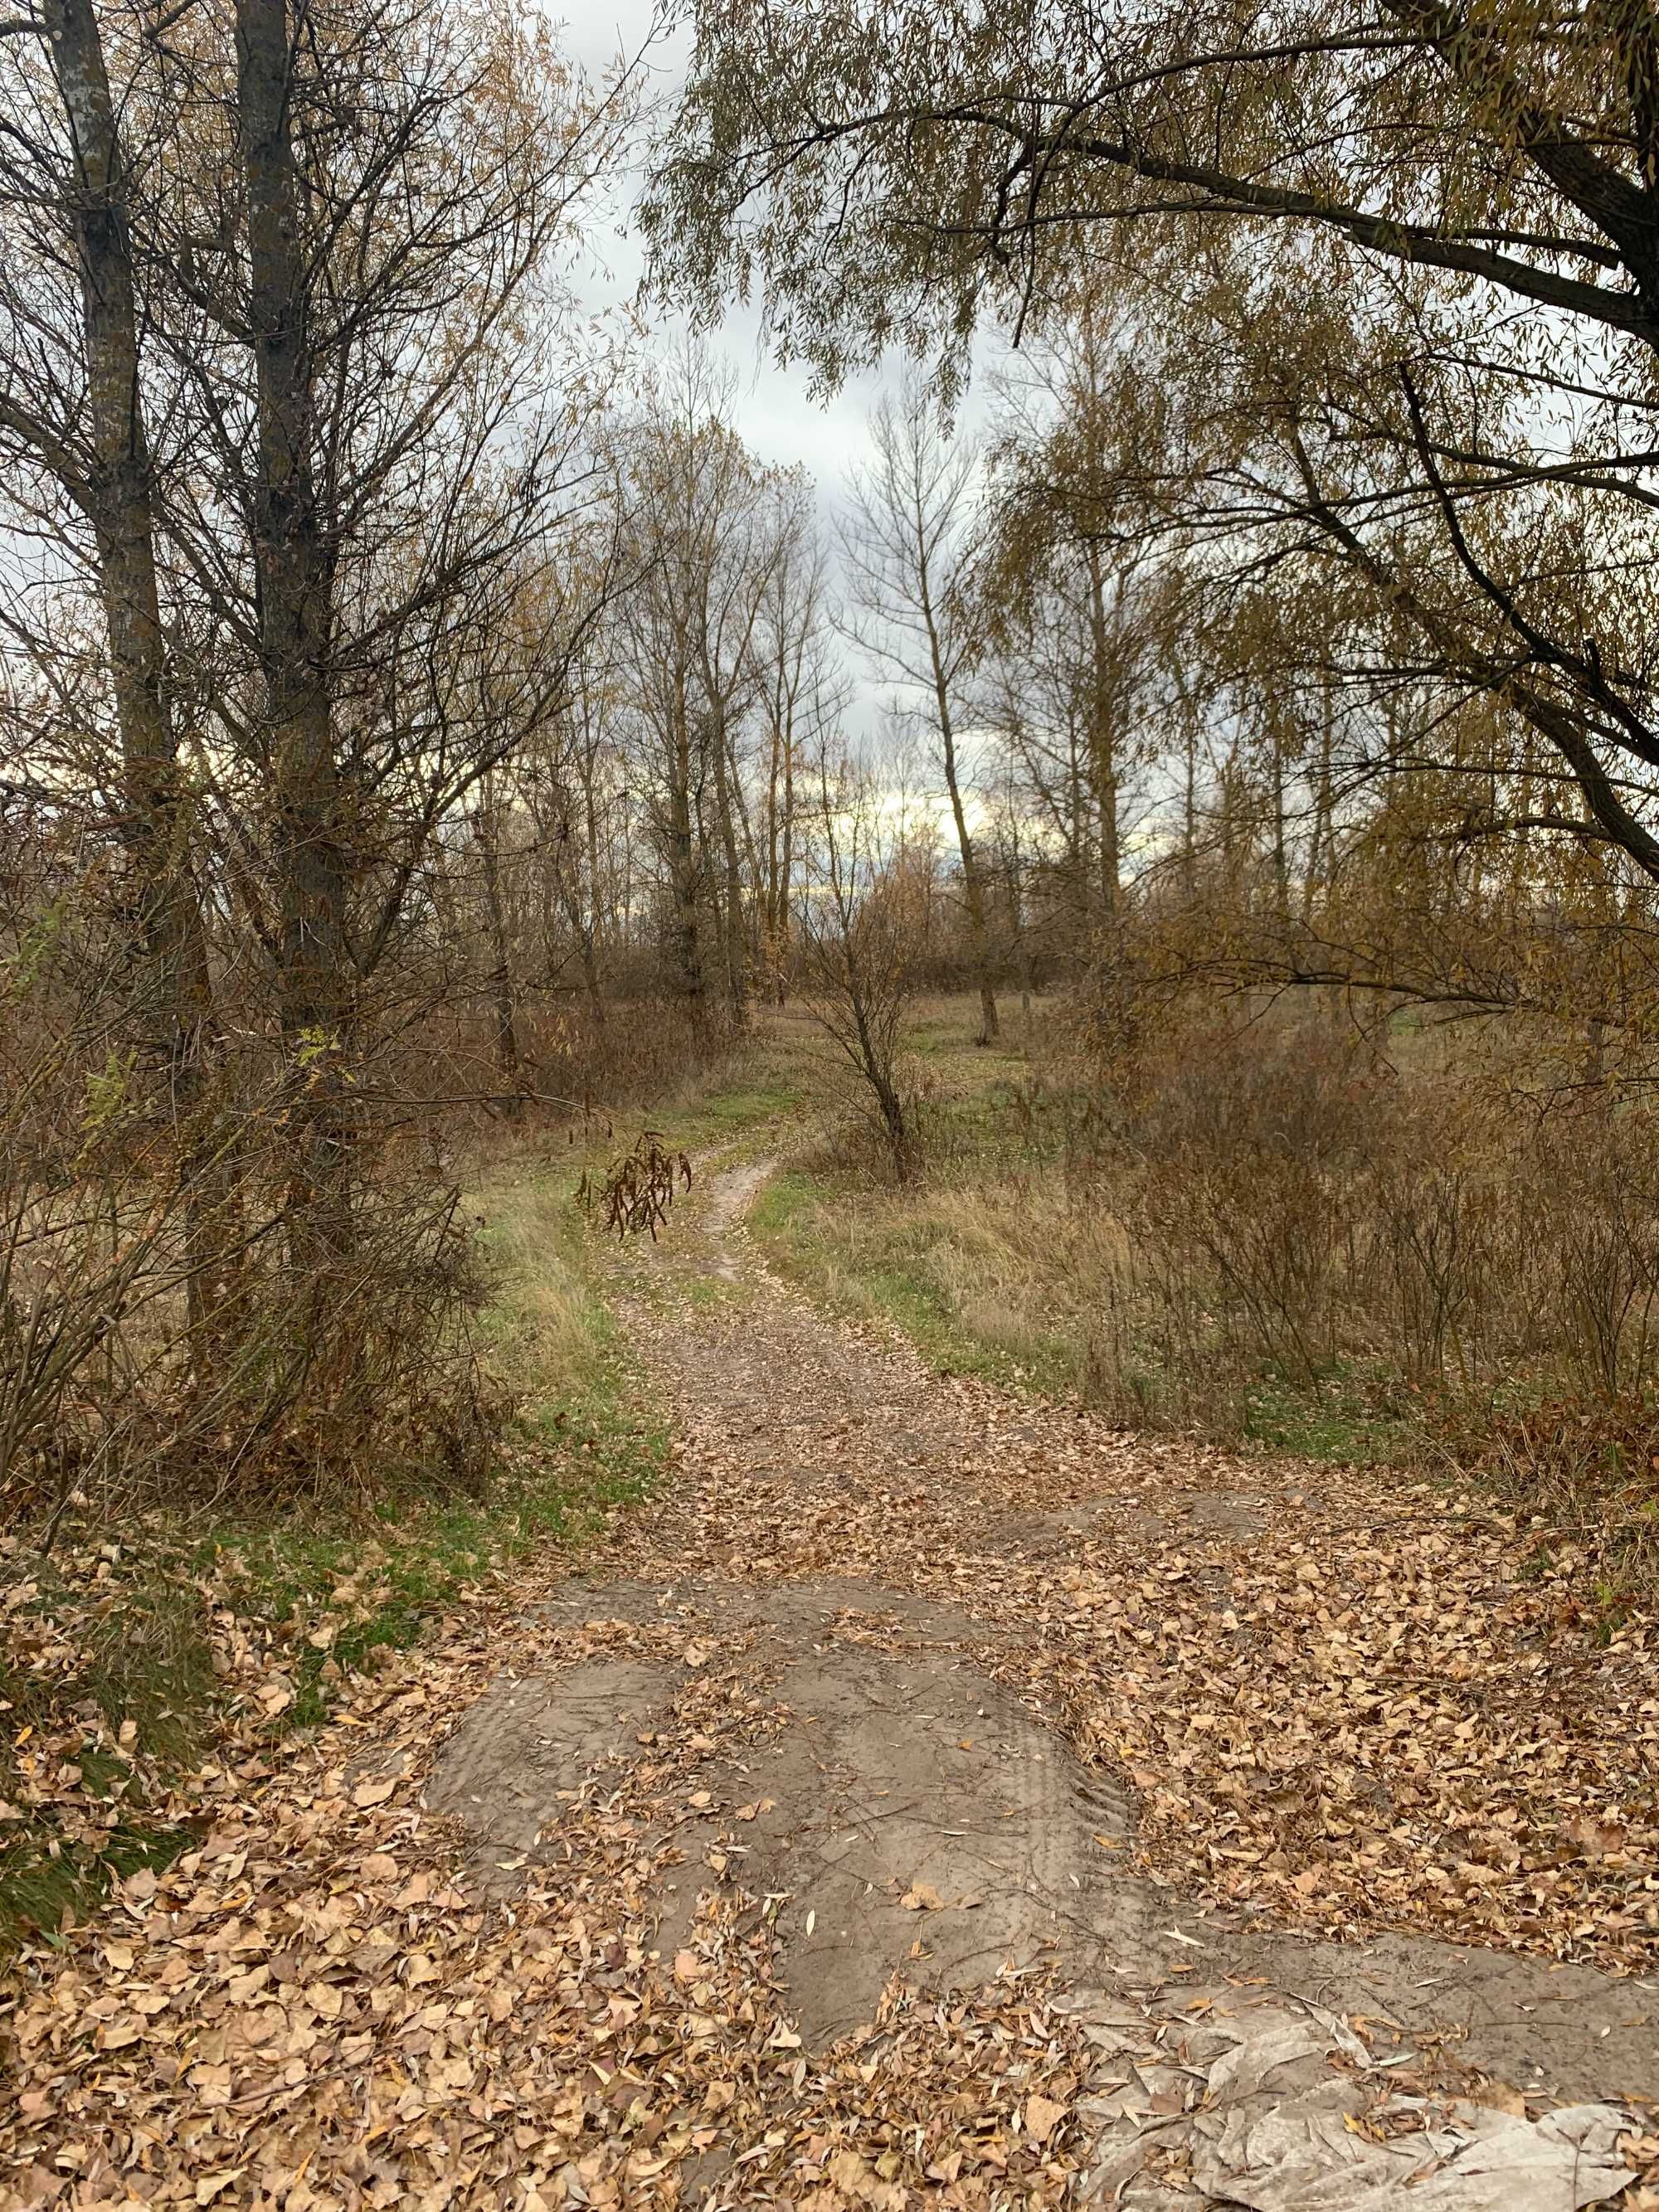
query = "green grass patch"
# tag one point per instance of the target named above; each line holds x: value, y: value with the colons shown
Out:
x: 913, y: 1258
x: 1338, y: 1422
x: 723, y: 1115
x: 41, y: 1881
x: 580, y: 1441
x: 138, y: 1660
x: 784, y: 1206
x: 568, y: 1460
x: 947, y: 1031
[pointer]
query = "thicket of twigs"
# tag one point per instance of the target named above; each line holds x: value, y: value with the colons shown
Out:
x: 349, y: 808
x: 175, y: 1325
x: 172, y: 1324
x: 1404, y: 1218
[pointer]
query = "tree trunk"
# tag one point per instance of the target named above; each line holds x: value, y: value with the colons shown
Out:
x: 1079, y: 887
x: 1324, y: 810
x: 119, y: 497
x: 683, y: 871
x: 737, y: 959
x: 973, y: 888
x: 507, y: 1065
x: 974, y: 893
x: 785, y: 871
x: 878, y: 1073
x: 1103, y: 741
x: 779, y: 853
x: 295, y: 584
x: 590, y: 935
x: 772, y: 951
x: 1022, y: 942
x: 749, y: 919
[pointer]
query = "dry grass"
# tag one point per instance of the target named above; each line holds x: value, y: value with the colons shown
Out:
x: 543, y: 1315
x: 978, y: 1259
x: 1274, y: 1230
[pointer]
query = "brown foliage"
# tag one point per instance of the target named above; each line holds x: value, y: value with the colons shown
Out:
x: 1576, y: 1461
x: 1302, y: 1204
x: 168, y: 1326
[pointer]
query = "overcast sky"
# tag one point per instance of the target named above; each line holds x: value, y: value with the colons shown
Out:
x: 773, y: 413
x: 775, y: 417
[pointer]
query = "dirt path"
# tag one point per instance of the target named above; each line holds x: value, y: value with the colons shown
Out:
x: 1045, y: 1698
x: 933, y: 1799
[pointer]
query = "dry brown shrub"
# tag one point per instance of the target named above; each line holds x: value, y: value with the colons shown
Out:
x: 168, y: 1328
x: 574, y: 1059
x: 1300, y: 1202
x: 637, y: 1190
x: 308, y: 1378
x: 1583, y: 1466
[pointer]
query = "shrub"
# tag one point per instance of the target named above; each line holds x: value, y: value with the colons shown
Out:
x: 1299, y: 1206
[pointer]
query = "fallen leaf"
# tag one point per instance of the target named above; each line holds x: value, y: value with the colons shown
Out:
x: 1042, y: 2116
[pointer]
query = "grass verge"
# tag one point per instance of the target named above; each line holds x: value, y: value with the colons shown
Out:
x: 917, y: 1260
x: 121, y: 1662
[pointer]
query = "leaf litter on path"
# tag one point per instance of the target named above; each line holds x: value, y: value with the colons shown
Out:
x: 1363, y: 1716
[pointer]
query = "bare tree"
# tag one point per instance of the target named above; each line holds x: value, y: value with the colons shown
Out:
x: 858, y: 938
x: 1064, y: 593
x: 74, y: 427
x: 285, y: 394
x: 906, y: 550
x: 73, y: 412
x: 574, y: 792
x: 801, y: 694
x: 711, y: 529
x: 381, y: 463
